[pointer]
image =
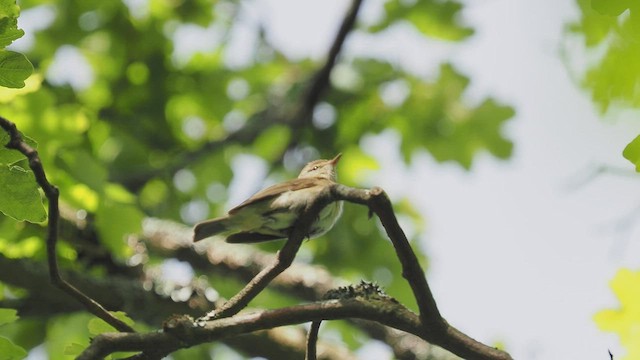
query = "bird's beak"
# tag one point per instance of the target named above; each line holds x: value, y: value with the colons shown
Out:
x: 335, y: 160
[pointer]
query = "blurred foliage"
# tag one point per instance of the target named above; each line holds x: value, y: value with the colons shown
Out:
x: 610, y: 31
x: 632, y: 152
x: 9, y: 350
x: 624, y: 320
x: 129, y: 123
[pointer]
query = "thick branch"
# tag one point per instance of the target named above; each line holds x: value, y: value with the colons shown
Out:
x: 183, y: 333
x: 52, y: 195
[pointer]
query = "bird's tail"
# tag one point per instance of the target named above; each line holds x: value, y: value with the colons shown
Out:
x: 210, y: 227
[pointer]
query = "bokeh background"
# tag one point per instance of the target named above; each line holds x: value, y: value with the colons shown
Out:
x: 496, y: 127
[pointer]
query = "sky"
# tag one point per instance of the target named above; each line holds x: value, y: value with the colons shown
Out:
x: 521, y: 251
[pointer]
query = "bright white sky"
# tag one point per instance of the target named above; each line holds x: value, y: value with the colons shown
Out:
x: 521, y: 251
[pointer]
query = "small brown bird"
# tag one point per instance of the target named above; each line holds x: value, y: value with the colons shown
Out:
x: 271, y: 213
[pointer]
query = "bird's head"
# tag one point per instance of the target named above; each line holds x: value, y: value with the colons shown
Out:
x: 325, y: 169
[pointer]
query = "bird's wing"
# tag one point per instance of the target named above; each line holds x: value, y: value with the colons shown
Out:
x: 251, y: 237
x: 277, y: 189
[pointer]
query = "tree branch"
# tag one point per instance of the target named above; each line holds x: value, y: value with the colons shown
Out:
x: 182, y: 332
x: 308, y: 282
x: 378, y: 202
x: 436, y: 329
x: 320, y: 81
x: 312, y: 339
x: 52, y: 194
x: 45, y: 300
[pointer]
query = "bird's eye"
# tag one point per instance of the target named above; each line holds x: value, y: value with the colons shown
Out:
x: 315, y: 168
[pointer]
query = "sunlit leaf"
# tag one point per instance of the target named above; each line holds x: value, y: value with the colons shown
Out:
x: 625, y: 320
x: 32, y: 83
x: 632, y: 152
x: 8, y: 316
x: 98, y: 326
x: 10, y: 351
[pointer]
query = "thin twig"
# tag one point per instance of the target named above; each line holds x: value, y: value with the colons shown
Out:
x: 51, y: 192
x: 312, y: 340
x: 320, y: 82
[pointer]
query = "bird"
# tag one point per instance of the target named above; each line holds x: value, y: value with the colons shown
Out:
x: 271, y: 213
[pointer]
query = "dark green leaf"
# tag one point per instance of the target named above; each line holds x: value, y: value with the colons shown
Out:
x: 15, y: 68
x: 9, y: 31
x: 19, y: 195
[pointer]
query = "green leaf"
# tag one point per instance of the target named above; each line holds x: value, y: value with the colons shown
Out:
x: 9, y: 31
x: 632, y: 152
x: 8, y: 316
x: 63, y: 330
x: 11, y: 156
x: 98, y: 326
x: 19, y: 195
x: 15, y: 68
x: 10, y: 351
x: 74, y: 349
